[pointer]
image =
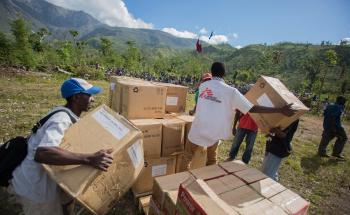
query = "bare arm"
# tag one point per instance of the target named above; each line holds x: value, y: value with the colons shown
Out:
x: 285, y: 110
x: 237, y: 115
x: 58, y: 156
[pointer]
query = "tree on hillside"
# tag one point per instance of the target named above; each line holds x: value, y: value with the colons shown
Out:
x: 5, y: 49
x: 132, y: 57
x: 22, y: 50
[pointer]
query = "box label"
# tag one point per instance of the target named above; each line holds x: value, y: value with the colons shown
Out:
x: 111, y: 124
x: 135, y: 153
x: 264, y: 100
x: 172, y: 100
x: 159, y: 170
x: 112, y: 85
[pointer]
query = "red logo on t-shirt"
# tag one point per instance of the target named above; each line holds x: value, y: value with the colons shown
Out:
x: 206, y: 92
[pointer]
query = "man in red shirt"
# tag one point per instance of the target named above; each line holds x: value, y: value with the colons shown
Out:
x: 246, y: 128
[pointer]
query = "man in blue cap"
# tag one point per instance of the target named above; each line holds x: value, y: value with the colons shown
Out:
x: 34, y: 189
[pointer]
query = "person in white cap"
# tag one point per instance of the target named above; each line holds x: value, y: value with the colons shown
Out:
x: 32, y: 186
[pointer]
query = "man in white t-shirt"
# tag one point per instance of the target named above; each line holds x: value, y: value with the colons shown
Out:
x: 215, y: 111
x: 34, y: 189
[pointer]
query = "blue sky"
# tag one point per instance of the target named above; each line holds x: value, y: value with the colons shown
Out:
x: 238, y: 22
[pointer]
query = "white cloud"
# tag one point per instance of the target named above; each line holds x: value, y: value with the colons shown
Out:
x: 110, y: 12
x: 176, y: 33
x: 203, y: 31
x: 235, y: 35
x: 238, y: 47
x: 215, y: 39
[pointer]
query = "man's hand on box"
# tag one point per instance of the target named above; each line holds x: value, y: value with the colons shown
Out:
x: 101, y: 159
x: 287, y: 110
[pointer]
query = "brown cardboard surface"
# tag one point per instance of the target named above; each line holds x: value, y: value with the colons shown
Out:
x: 268, y: 91
x: 175, y: 98
x: 196, y: 197
x: 199, y: 160
x: 100, y: 129
x: 208, y: 172
x: 152, y: 136
x: 167, y: 183
x: 115, y: 91
x: 169, y: 206
x: 225, y: 183
x: 154, y: 167
x: 264, y: 207
x: 188, y: 123
x: 173, y: 137
x: 142, y: 100
x: 233, y: 166
x: 153, y: 209
x: 241, y: 197
x: 250, y: 175
x: 291, y: 202
x: 267, y: 187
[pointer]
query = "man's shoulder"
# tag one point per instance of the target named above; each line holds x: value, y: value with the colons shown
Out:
x: 62, y: 115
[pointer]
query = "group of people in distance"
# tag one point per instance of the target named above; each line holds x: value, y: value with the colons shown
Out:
x: 215, y: 110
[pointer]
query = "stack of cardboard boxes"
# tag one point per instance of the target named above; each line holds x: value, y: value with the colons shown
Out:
x: 226, y: 188
x: 157, y: 109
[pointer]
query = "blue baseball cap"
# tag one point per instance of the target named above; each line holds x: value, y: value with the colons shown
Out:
x: 74, y: 86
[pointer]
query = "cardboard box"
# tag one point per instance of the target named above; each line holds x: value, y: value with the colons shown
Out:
x: 267, y: 187
x: 199, y: 160
x: 241, y: 197
x: 208, y: 172
x: 136, y: 99
x: 153, y: 209
x: 173, y: 137
x: 250, y: 175
x: 144, y: 204
x: 188, y: 123
x: 291, y: 202
x: 264, y: 207
x: 152, y: 136
x: 175, y: 98
x: 233, y: 166
x: 225, y: 183
x: 196, y: 197
x: 169, y: 205
x: 115, y: 91
x: 154, y: 167
x: 167, y: 184
x: 100, y: 129
x: 271, y: 92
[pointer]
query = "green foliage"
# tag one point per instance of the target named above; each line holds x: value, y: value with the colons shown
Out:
x: 5, y: 49
x: 23, y: 54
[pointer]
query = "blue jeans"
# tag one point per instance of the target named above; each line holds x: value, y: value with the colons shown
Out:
x: 237, y: 141
x: 270, y: 165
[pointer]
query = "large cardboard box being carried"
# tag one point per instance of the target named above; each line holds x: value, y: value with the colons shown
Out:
x: 100, y: 129
x: 136, y: 99
x: 271, y: 92
x: 152, y: 136
x: 175, y: 98
x: 153, y: 167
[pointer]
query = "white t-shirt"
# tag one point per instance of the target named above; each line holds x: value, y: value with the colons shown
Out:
x: 215, y: 110
x: 30, y: 180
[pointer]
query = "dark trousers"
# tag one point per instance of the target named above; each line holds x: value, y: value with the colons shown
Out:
x: 249, y: 138
x: 327, y: 136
